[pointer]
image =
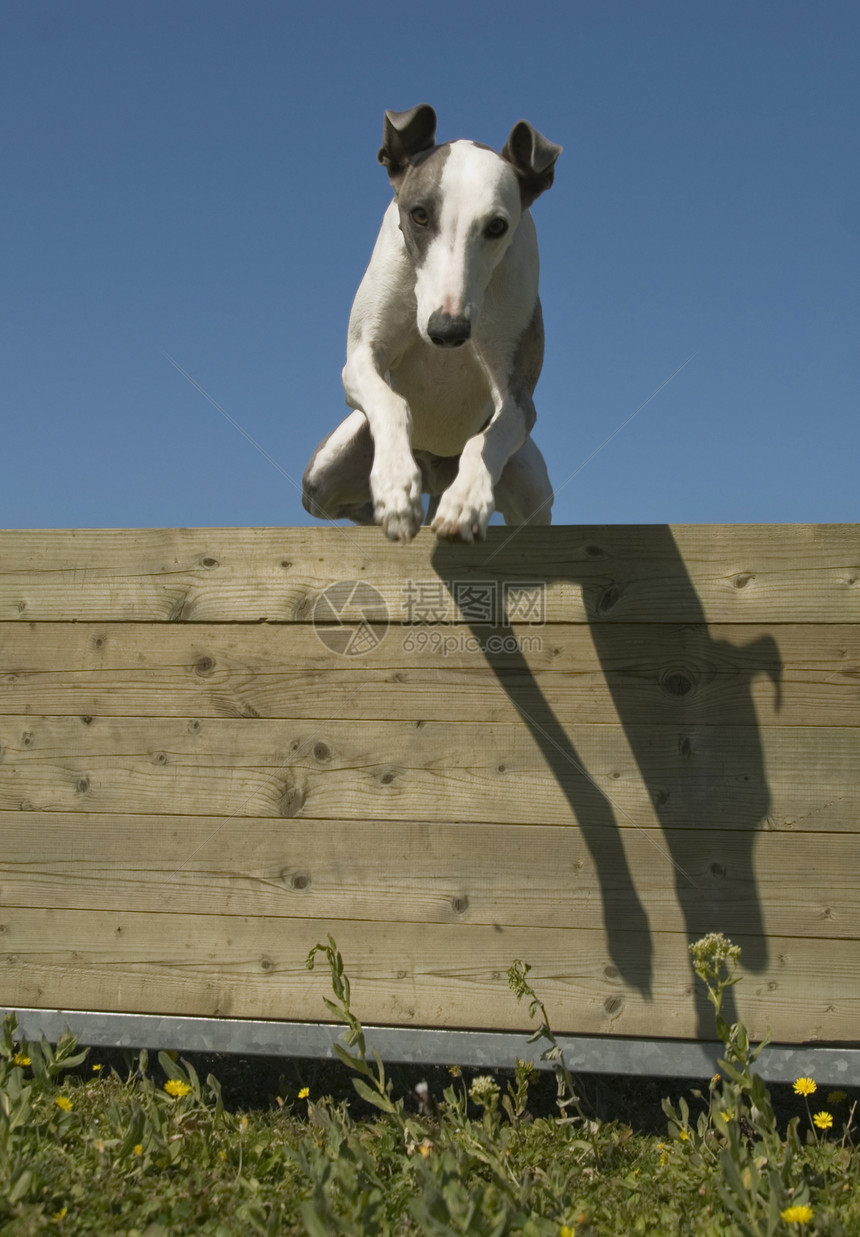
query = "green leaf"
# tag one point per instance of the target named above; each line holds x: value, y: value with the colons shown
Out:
x: 314, y: 1224
x: 373, y: 1097
x: 20, y: 1186
x: 172, y: 1068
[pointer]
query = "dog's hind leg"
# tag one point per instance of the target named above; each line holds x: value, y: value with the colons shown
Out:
x: 336, y: 482
x: 523, y: 493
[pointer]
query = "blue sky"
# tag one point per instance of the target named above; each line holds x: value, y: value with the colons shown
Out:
x: 199, y: 180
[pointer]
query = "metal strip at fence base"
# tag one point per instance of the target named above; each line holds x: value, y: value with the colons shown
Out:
x: 427, y: 1046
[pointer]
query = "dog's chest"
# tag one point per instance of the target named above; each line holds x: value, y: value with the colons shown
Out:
x: 447, y: 393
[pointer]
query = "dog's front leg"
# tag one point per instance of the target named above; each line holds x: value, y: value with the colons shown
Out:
x: 395, y: 478
x: 466, y: 506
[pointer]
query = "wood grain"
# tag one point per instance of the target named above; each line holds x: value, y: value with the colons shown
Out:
x: 595, y: 776
x: 666, y: 674
x: 408, y: 975
x: 431, y: 872
x: 200, y: 778
x: 605, y: 573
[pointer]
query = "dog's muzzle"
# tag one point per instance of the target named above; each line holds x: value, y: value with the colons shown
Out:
x: 448, y: 332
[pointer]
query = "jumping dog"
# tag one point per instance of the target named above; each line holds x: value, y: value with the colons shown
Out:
x: 445, y: 343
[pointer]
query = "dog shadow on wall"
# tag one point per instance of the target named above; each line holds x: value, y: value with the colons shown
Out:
x: 699, y: 753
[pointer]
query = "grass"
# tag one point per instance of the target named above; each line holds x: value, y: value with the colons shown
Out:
x: 155, y: 1151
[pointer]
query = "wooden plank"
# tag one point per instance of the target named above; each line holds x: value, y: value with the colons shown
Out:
x: 673, y: 674
x: 599, y: 776
x: 419, y: 975
x: 616, y: 573
x: 514, y: 875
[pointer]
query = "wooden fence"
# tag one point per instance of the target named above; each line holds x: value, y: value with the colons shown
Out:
x: 581, y: 747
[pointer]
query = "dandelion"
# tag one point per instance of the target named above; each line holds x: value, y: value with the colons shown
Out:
x: 63, y: 1101
x: 836, y: 1097
x: 20, y: 1059
x: 304, y: 1093
x: 176, y: 1088
x: 799, y: 1214
x: 805, y: 1086
x: 823, y: 1120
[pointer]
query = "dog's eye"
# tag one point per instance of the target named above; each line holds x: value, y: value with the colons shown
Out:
x: 419, y: 215
x: 496, y: 227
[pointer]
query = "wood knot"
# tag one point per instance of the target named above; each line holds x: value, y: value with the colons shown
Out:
x: 160, y: 758
x: 611, y: 972
x: 718, y: 871
x: 322, y: 752
x: 613, y: 1005
x: 608, y: 599
x: 87, y: 720
x: 685, y: 748
x: 594, y: 551
x: 742, y: 579
x: 266, y: 964
x: 82, y: 785
x: 291, y: 801
x: 676, y: 683
x: 209, y: 562
x: 27, y: 738
x: 300, y: 880
x: 387, y: 778
x: 204, y: 665
x: 460, y: 903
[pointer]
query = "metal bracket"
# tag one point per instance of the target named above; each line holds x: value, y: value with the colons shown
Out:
x: 426, y: 1046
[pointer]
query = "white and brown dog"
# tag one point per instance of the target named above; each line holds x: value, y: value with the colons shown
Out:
x: 445, y: 344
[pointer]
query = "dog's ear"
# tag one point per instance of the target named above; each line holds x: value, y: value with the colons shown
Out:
x: 405, y: 135
x: 532, y: 158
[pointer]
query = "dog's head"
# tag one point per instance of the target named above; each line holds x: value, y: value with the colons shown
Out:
x: 460, y: 205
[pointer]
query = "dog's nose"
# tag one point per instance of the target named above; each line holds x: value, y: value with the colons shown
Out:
x: 447, y: 331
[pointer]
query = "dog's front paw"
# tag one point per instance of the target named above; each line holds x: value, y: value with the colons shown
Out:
x: 397, y: 503
x: 465, y: 509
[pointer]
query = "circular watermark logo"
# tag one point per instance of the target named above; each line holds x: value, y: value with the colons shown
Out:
x: 350, y: 617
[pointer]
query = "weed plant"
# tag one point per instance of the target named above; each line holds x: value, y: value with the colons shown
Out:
x: 85, y: 1151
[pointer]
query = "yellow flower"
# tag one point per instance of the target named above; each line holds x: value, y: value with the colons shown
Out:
x: 799, y: 1214
x: 565, y: 1231
x: 823, y: 1120
x: 96, y: 1069
x: 64, y: 1102
x: 176, y: 1088
x: 836, y: 1097
x: 304, y: 1093
x: 684, y: 1135
x: 60, y: 1215
x: 20, y: 1059
x: 138, y: 1149
x: 804, y: 1086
